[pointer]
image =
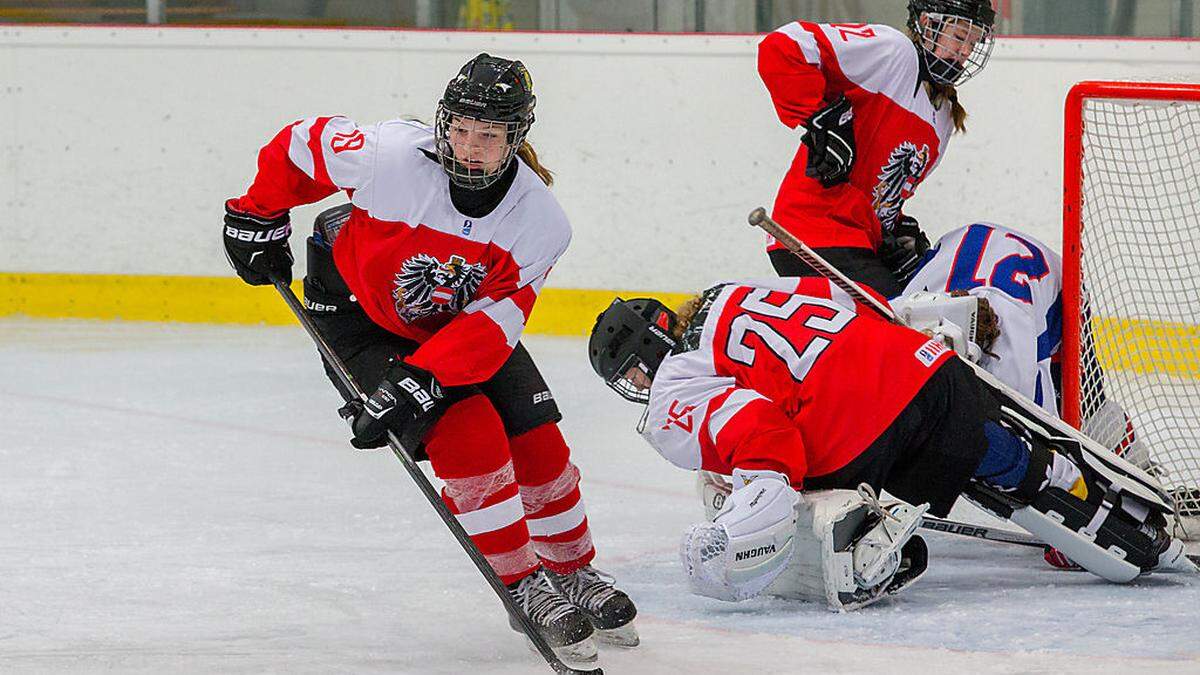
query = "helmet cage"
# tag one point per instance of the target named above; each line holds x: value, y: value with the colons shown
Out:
x: 944, y: 31
x: 626, y: 387
x: 476, y: 178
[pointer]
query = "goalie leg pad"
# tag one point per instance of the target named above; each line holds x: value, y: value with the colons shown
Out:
x: 877, y: 554
x: 1098, y: 535
x: 830, y: 524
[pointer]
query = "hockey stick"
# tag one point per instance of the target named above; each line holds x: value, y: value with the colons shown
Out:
x: 410, y: 465
x: 1139, y: 483
x: 1002, y: 536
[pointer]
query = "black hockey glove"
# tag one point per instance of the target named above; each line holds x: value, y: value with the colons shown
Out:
x: 406, y: 395
x: 903, y: 247
x: 257, y: 247
x: 830, y: 141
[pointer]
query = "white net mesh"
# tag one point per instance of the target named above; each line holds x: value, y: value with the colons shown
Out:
x: 1140, y: 273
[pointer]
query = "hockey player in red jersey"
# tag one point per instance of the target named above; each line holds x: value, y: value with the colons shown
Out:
x: 878, y: 108
x: 423, y: 286
x: 787, y: 382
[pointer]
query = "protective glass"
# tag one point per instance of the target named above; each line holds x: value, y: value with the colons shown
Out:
x: 955, y: 48
x: 474, y: 152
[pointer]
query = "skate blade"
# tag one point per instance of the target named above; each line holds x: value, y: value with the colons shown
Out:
x: 583, y: 652
x: 623, y: 636
x: 1174, y: 559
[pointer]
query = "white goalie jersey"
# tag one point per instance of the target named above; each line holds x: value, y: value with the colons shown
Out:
x: 1021, y: 278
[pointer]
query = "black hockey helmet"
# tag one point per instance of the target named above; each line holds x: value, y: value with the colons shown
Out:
x: 631, y: 334
x: 945, y: 21
x: 486, y: 89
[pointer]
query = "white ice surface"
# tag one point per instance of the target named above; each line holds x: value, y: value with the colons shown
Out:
x: 182, y: 499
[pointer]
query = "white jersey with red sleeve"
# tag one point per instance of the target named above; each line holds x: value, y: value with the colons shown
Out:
x: 461, y: 286
x: 900, y: 135
x: 787, y: 375
x: 1022, y: 281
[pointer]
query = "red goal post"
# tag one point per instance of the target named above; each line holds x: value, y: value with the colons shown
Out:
x: 1131, y: 272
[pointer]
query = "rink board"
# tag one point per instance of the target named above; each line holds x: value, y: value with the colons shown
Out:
x: 559, y: 311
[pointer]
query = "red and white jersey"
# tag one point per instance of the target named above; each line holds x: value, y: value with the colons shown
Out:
x: 788, y: 376
x: 1022, y: 281
x: 899, y: 134
x: 461, y: 286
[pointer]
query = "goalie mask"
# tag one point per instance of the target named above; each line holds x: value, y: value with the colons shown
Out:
x: 954, y: 37
x: 482, y: 120
x: 629, y: 342
x: 964, y: 323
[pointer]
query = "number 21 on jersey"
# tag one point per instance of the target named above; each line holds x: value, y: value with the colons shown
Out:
x: 1010, y: 274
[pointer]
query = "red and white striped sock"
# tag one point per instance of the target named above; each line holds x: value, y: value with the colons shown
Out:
x: 554, y: 509
x: 469, y: 451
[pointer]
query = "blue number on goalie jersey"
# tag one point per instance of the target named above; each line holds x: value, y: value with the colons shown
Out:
x: 1010, y: 274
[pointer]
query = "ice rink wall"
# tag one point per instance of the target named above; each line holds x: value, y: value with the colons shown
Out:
x: 120, y: 145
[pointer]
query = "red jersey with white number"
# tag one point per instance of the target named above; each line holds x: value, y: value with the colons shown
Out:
x: 788, y: 376
x: 461, y: 286
x: 899, y: 134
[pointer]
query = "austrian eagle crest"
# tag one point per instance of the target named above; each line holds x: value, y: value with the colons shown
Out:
x: 425, y: 286
x: 901, y: 174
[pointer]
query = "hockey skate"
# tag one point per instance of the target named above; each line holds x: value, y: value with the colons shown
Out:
x: 609, y: 610
x: 564, y: 626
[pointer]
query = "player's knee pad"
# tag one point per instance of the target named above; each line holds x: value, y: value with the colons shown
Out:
x: 849, y: 556
x: 468, y: 439
x: 328, y: 224
x: 747, y: 544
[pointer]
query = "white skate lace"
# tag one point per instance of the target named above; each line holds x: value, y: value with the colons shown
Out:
x: 588, y: 587
x: 540, y: 600
x: 868, y: 494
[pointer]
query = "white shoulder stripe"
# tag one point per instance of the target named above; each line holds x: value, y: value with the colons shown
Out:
x: 298, y: 150
x: 806, y: 41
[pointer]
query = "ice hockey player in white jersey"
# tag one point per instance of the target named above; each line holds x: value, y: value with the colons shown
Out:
x: 1020, y: 281
x: 994, y: 294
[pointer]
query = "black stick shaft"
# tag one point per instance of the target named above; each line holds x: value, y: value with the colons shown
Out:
x: 435, y: 500
x: 1000, y: 535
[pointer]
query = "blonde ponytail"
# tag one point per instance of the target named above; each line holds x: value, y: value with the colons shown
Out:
x: 941, y: 93
x: 685, y: 314
x: 529, y: 156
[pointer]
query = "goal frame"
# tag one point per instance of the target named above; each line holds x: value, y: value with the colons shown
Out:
x: 1073, y: 212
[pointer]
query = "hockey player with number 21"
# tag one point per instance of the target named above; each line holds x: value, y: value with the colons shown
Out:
x: 423, y: 285
x: 994, y: 294
x: 788, y: 385
x: 878, y: 108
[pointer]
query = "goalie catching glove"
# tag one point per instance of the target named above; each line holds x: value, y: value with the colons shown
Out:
x: 407, y: 395
x: 748, y: 543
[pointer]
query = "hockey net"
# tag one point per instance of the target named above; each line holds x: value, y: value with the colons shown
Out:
x: 1131, y: 287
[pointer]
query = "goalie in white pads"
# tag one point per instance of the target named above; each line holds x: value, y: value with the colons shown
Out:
x: 994, y: 295
x: 784, y: 384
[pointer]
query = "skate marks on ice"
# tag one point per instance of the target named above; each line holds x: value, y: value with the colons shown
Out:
x: 182, y: 499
